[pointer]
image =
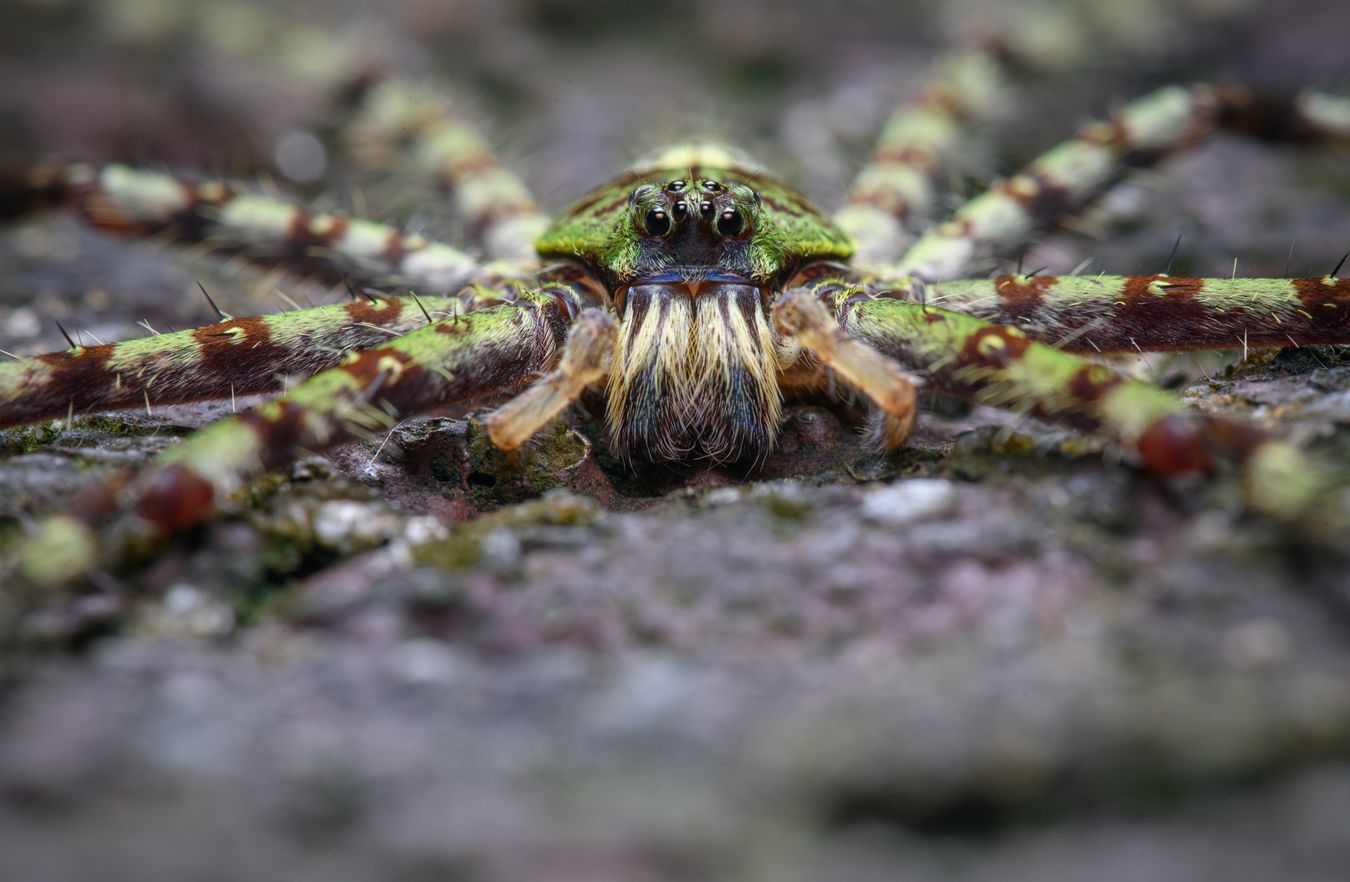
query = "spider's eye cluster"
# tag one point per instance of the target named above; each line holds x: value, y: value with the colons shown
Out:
x: 728, y: 208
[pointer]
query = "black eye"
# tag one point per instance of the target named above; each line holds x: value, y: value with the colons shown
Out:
x: 681, y: 210
x: 730, y: 223
x: 705, y: 208
x: 711, y: 186
x: 675, y: 186
x: 657, y: 222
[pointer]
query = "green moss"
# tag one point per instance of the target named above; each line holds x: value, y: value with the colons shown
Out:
x: 460, y: 550
x: 30, y: 439
x: 81, y: 432
x: 497, y: 477
x: 786, y: 503
x: 463, y: 548
x: 441, y: 471
x: 911, y: 460
x: 990, y: 451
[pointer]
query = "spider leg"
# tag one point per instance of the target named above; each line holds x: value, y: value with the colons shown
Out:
x: 1002, y: 366
x: 800, y: 316
x: 1159, y: 312
x: 1072, y: 175
x: 238, y: 356
x: 269, y: 232
x: 492, y: 351
x: 965, y: 90
x: 387, y: 117
x: 897, y: 190
x: 397, y: 117
x: 585, y: 360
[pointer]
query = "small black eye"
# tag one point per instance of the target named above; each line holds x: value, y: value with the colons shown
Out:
x: 711, y: 186
x: 681, y: 210
x: 705, y: 208
x: 730, y: 223
x: 675, y: 187
x: 657, y: 222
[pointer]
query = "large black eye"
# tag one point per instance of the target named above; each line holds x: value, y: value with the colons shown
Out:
x: 730, y: 223
x: 657, y: 221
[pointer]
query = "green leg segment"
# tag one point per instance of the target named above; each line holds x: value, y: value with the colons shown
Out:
x: 1002, y: 366
x: 330, y: 246
x: 1071, y: 176
x: 234, y: 357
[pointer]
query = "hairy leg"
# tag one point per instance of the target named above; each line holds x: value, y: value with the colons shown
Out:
x: 1071, y: 176
x: 398, y: 118
x: 223, y: 220
x: 800, y: 316
x: 1002, y: 366
x: 238, y: 356
x: 897, y: 191
x: 490, y: 352
x: 1159, y: 312
x: 585, y: 360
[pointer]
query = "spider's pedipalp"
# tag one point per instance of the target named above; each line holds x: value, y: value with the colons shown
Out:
x: 238, y: 356
x: 801, y: 315
x: 585, y: 360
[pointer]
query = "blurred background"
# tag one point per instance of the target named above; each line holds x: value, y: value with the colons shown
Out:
x: 575, y: 90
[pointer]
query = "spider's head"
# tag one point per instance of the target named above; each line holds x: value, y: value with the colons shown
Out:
x: 693, y: 213
x: 690, y: 250
x: 690, y: 229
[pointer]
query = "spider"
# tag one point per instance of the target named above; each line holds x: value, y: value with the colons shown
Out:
x: 695, y: 290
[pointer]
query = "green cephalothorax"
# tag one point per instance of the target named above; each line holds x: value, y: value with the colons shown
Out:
x: 694, y: 212
x: 695, y: 289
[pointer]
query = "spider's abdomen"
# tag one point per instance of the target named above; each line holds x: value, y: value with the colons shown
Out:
x: 694, y: 374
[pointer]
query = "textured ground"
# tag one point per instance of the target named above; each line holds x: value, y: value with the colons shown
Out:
x: 999, y: 655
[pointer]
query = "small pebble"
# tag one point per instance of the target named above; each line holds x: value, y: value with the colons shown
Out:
x: 908, y: 501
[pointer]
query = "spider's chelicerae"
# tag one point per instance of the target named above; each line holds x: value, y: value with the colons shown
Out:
x: 696, y: 291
